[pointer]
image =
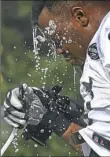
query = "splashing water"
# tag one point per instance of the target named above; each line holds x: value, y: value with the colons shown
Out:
x: 42, y: 43
x: 15, y: 143
x: 52, y: 27
x: 35, y: 145
x: 74, y: 71
x: 41, y: 39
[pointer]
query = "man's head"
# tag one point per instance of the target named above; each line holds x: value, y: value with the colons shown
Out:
x: 76, y: 22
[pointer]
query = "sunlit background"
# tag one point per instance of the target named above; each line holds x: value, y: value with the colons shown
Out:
x: 19, y: 65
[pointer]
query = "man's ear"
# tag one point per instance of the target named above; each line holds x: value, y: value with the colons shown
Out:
x: 79, y: 14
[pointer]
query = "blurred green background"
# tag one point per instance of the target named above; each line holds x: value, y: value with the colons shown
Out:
x: 19, y: 65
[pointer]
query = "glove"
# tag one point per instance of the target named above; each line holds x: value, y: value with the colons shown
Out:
x: 41, y: 132
x: 61, y: 112
x: 22, y: 107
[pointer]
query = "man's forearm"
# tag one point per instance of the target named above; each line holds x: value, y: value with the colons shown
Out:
x: 67, y: 136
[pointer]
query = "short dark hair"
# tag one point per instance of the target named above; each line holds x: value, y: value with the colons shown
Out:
x: 37, y: 7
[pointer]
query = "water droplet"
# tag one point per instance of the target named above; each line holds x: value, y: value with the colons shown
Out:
x: 35, y: 145
x: 50, y: 137
x: 29, y: 75
x: 69, y: 41
x: 64, y: 38
x: 42, y: 130
x: 16, y: 150
x: 50, y: 121
x: 41, y: 116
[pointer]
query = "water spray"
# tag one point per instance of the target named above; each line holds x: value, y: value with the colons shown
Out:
x: 9, y: 141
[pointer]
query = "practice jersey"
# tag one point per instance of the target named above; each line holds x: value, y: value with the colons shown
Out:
x: 95, y: 87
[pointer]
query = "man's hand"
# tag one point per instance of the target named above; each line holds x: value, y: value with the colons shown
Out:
x: 20, y: 108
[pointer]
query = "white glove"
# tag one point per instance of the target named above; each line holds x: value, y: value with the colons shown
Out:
x: 13, y: 107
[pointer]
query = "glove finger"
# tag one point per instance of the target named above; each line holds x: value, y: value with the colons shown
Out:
x: 16, y: 120
x: 6, y: 105
x: 10, y: 122
x: 18, y: 114
x: 37, y: 90
x: 14, y: 99
x: 12, y: 111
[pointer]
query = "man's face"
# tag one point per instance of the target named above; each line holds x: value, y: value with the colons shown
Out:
x: 71, y: 38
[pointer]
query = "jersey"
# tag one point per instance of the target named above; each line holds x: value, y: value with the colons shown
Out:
x: 95, y: 87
